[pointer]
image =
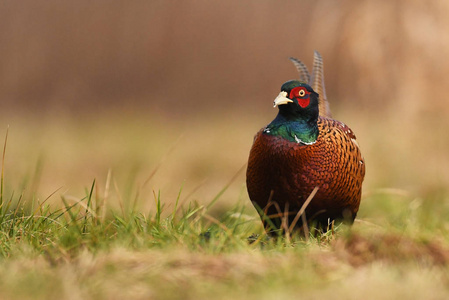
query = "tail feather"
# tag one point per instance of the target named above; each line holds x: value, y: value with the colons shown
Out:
x: 317, y: 83
x: 302, y: 70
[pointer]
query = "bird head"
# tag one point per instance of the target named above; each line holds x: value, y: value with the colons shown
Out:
x: 297, y: 100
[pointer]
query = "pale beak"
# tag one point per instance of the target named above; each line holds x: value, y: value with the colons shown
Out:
x: 281, y: 99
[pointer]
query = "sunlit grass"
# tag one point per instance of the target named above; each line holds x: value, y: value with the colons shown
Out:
x: 125, y: 211
x: 55, y: 251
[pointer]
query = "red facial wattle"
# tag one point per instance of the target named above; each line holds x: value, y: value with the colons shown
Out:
x: 302, y: 95
x: 303, y: 102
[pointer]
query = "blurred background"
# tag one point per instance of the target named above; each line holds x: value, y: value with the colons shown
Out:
x: 169, y: 94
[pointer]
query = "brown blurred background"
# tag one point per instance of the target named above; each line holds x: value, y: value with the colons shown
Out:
x: 88, y: 86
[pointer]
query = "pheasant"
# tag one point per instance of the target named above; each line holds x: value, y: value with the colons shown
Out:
x: 304, y: 152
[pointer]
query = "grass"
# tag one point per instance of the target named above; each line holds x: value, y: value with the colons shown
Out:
x: 152, y: 227
x: 77, y: 250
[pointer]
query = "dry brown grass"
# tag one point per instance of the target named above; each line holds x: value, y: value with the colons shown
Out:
x: 351, y: 268
x: 81, y: 56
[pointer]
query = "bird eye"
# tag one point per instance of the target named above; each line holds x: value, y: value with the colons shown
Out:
x: 302, y: 93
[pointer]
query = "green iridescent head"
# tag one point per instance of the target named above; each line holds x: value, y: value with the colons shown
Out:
x: 298, y: 113
x: 297, y: 100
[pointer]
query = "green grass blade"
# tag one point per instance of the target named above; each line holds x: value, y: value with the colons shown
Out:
x: 89, y: 204
x: 3, y: 173
x: 221, y: 192
x: 68, y: 209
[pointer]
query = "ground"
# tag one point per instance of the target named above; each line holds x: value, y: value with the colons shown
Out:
x: 132, y: 209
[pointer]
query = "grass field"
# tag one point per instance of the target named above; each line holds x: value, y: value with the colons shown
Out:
x: 136, y: 207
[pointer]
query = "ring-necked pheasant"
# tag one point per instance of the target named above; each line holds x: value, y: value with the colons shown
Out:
x: 301, y: 150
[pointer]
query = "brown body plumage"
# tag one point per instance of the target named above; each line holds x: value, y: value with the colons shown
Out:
x: 334, y: 164
x: 282, y: 174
